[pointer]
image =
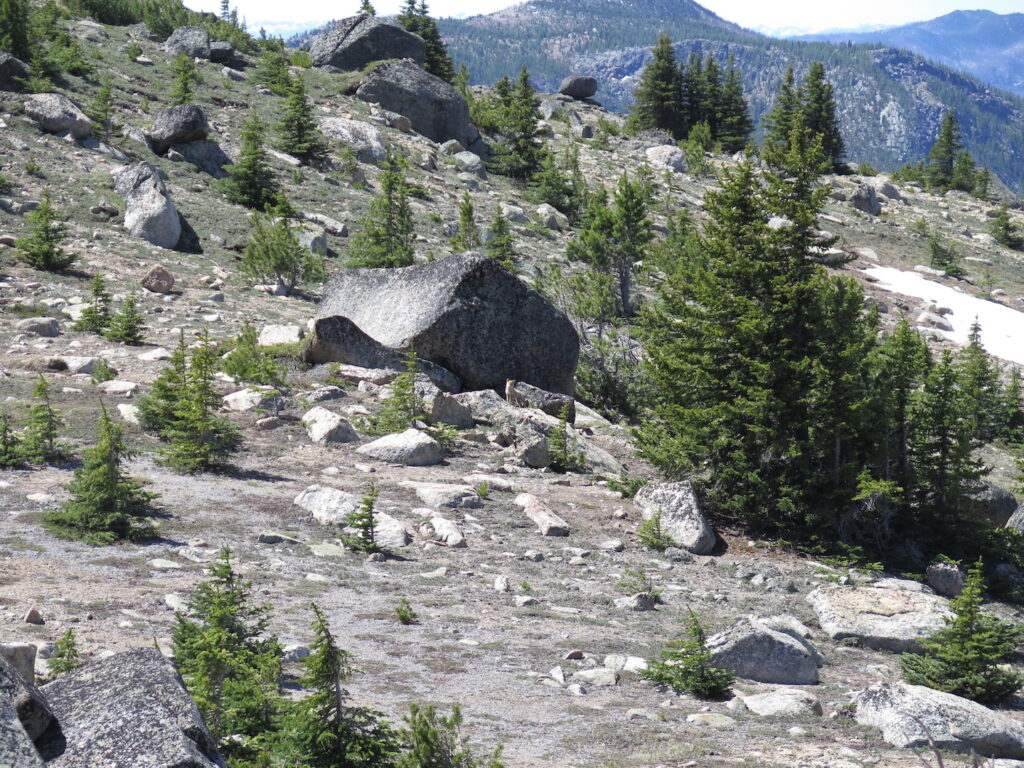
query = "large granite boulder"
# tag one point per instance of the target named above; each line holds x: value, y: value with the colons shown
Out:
x: 29, y: 705
x: 126, y: 711
x: 435, y: 109
x: 360, y: 40
x: 578, y: 87
x: 865, y: 199
x: 16, y: 749
x: 364, y: 139
x: 192, y: 41
x: 56, y: 113
x: 12, y: 72
x: 990, y: 503
x: 888, y: 616
x: 1016, y: 521
x: 681, y: 517
x: 908, y: 715
x: 768, y: 651
x: 465, y: 313
x: 205, y: 155
x: 149, y: 211
x: 177, y: 125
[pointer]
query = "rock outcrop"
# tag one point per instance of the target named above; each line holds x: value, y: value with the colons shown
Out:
x: 56, y: 113
x: 177, y: 125
x: 149, y: 211
x: 767, y: 651
x: 29, y: 705
x: 360, y: 40
x: 12, y: 72
x: 465, y: 313
x: 681, y: 517
x: 578, y: 86
x: 192, y: 41
x: 364, y: 139
x: 435, y: 109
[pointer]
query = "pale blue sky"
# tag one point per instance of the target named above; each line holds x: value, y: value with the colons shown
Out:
x: 802, y: 15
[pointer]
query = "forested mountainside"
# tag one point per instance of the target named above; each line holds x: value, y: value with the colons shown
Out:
x: 988, y: 45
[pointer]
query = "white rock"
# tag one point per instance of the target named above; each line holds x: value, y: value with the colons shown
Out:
x: 280, y: 334
x: 21, y: 656
x: 388, y: 532
x: 599, y: 677
x: 681, y: 517
x: 411, y: 448
x: 254, y: 397
x: 620, y: 663
x: 117, y: 387
x: 667, y: 156
x: 324, y: 426
x: 155, y: 354
x: 129, y: 413
x: 548, y: 523
x: 328, y: 505
x: 445, y: 531
x: 445, y: 495
x: 47, y: 327
x: 783, y: 703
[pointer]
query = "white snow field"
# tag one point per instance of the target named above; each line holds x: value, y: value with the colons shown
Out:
x: 1002, y: 328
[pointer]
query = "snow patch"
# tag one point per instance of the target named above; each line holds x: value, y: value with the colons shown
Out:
x: 1002, y: 328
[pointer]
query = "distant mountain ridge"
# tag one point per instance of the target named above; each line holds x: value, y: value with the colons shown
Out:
x: 988, y: 45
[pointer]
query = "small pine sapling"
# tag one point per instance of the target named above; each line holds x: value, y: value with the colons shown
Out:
x: 500, y: 242
x: 298, y: 132
x: 66, y: 656
x: 400, y: 408
x: 436, y: 741
x: 562, y: 447
x: 128, y: 325
x: 95, y: 318
x: 11, y: 452
x: 41, y: 442
x: 40, y: 247
x: 274, y: 254
x: 101, y: 112
x: 103, y: 372
x: 685, y: 666
x: 106, y: 506
x: 967, y: 657
x: 651, y: 535
x: 404, y: 612
x: 361, y: 523
x: 636, y: 581
x: 248, y: 362
x: 157, y: 409
x: 186, y: 76
x: 468, y: 237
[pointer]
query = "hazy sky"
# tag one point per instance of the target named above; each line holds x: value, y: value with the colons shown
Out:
x: 805, y: 15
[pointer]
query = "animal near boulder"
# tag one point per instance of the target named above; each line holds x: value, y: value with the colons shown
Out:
x: 465, y: 313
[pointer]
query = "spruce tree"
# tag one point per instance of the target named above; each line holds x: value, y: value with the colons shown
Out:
x: 41, y: 443
x: 944, y: 153
x: 386, y: 233
x: 297, y: 132
x: 95, y: 317
x: 562, y: 446
x: 519, y: 154
x: 158, y: 408
x: 1011, y: 412
x: 658, y: 98
x: 686, y: 667
x: 66, y: 656
x: 980, y: 391
x: 818, y: 105
x: 127, y: 326
x: 435, y: 741
x: 632, y: 231
x: 198, y: 440
x: 692, y: 85
x: 14, y: 28
x: 248, y: 362
x: 360, y: 521
x: 11, y: 452
x: 968, y: 656
x: 734, y: 125
x: 274, y: 254
x: 365, y: 6
x: 415, y: 18
x: 1004, y: 230
x: 250, y: 181
x: 186, y: 76
x: 101, y: 111
x: 709, y: 96
x: 40, y: 247
x: 273, y: 71
x: 469, y: 236
x: 325, y: 730
x: 500, y: 242
x: 401, y: 407
x: 563, y: 188
x: 106, y: 506
x: 778, y: 123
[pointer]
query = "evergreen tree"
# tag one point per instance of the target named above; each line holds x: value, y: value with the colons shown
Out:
x: 734, y: 124
x: 435, y: 741
x: 297, y: 132
x: 229, y: 664
x: 157, y: 409
x: 365, y: 6
x: 965, y: 172
x: 185, y: 77
x: 41, y: 443
x: 40, y: 247
x: 1004, y: 230
x: 709, y: 96
x: 519, y: 155
x: 95, y: 317
x: 225, y: 10
x: 967, y: 657
x: 14, y: 28
x: 565, y: 189
x: 273, y: 71
x: 274, y: 254
x: 500, y: 242
x: 562, y: 446
x: 945, y: 256
x: 326, y: 731
x: 250, y: 180
x: 819, y: 109
x: 127, y: 326
x: 1011, y: 422
x: 468, y: 237
x: 943, y: 155
x: 778, y: 123
x: 980, y: 389
x: 415, y: 18
x: 198, y: 439
x: 658, y: 98
x: 632, y: 231
x: 248, y: 362
x: 101, y: 111
x: 106, y: 506
x: 65, y: 656
x: 11, y: 452
x: 386, y: 237
x: 685, y: 666
x: 692, y: 87
x: 362, y: 524
x: 401, y: 407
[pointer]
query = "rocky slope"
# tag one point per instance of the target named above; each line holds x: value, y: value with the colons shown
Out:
x: 531, y: 633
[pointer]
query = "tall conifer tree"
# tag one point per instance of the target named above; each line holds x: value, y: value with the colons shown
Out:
x: 658, y: 98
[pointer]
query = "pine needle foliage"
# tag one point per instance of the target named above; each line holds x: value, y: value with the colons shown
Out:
x: 1005, y: 230
x: 966, y: 657
x: 40, y: 246
x: 401, y: 407
x: 101, y: 111
x: 685, y: 666
x: 500, y: 242
x: 248, y: 362
x: 66, y: 656
x: 434, y: 740
x: 520, y: 152
x: 361, y: 522
x: 251, y: 181
x: 186, y: 77
x: 275, y: 254
x: 652, y: 535
x: 658, y: 98
x: 128, y: 324
x: 41, y: 443
x: 385, y: 237
x: 158, y: 407
x: 12, y: 453
x: 14, y: 28
x: 468, y: 237
x: 106, y: 506
x: 565, y: 457
x: 297, y: 132
x: 415, y: 18
x: 96, y: 317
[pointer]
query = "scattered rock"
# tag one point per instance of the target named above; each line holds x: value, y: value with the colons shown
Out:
x: 444, y: 531
x: 865, y: 199
x: 578, y: 86
x: 990, y: 502
x: 150, y: 213
x: 667, y: 156
x: 641, y: 601
x: 192, y: 41
x: 20, y: 694
x: 12, y: 72
x: 599, y: 677
x: 21, y: 656
x: 945, y: 578
x: 760, y: 650
x: 711, y: 719
x: 364, y: 139
x: 445, y: 495
x: 56, y: 113
x: 445, y: 409
x: 280, y: 334
x: 329, y: 506
x: 324, y: 426
x: 118, y: 387
x: 158, y: 280
x: 524, y: 395
x: 548, y: 523
x: 221, y: 51
x: 783, y: 703
x: 247, y: 399
x: 388, y: 532
x: 33, y: 616
x: 360, y: 40
x: 411, y: 448
x: 177, y: 125
x: 204, y: 154
x: 129, y: 413
x: 47, y: 327
x: 681, y: 516
x: 470, y: 163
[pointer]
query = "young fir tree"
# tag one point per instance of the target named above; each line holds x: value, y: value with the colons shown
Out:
x: 562, y: 188
x: 128, y: 325
x: 40, y: 247
x: 1004, y: 230
x: 500, y: 242
x: 106, y: 506
x: 250, y: 181
x: 734, y: 123
x: 248, y: 362
x: 519, y: 154
x: 435, y: 741
x: 325, y: 731
x: 1011, y: 420
x: 198, y: 440
x: 101, y: 111
x: 66, y: 656
x: 562, y: 446
x: 401, y: 407
x: 41, y: 443
x: 968, y: 656
x: 158, y: 408
x: 778, y: 123
x: 415, y: 18
x: 186, y: 77
x: 686, y: 667
x: 980, y: 390
x: 469, y: 236
x: 11, y: 452
x: 274, y: 254
x: 273, y: 71
x: 942, y: 157
x: 709, y: 95
x: 96, y: 317
x: 230, y: 665
x: 945, y: 256
x: 365, y: 6
x: 658, y: 98
x: 818, y: 105
x: 386, y: 233
x: 14, y: 28
x: 361, y: 522
x: 297, y: 132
